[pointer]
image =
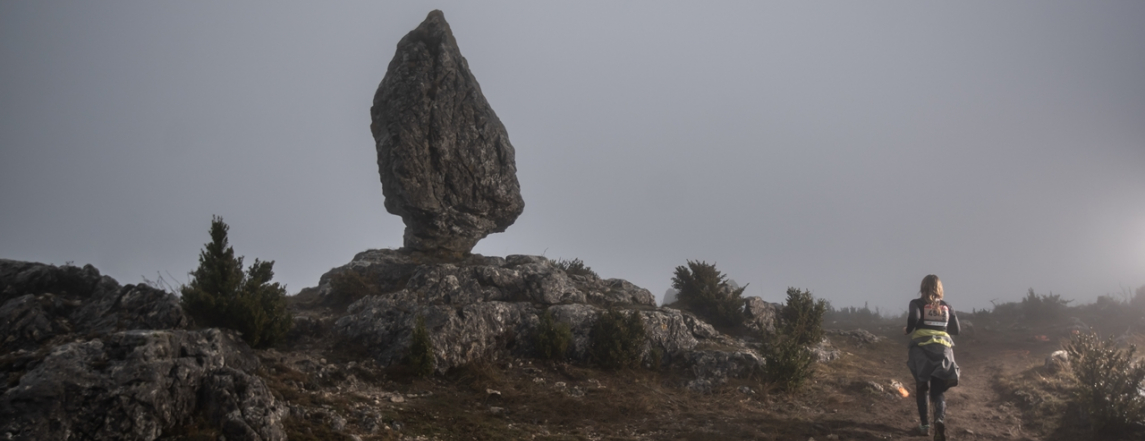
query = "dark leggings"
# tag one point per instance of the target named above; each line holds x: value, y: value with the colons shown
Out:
x: 936, y: 388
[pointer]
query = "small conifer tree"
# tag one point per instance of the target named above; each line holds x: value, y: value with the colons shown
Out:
x: 787, y: 351
x: 420, y: 359
x: 705, y: 291
x: 615, y: 340
x: 552, y: 338
x: 221, y: 295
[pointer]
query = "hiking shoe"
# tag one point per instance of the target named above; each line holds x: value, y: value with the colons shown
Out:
x: 924, y: 430
x: 939, y: 431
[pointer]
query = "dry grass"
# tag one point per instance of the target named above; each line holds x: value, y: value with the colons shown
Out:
x: 1042, y: 396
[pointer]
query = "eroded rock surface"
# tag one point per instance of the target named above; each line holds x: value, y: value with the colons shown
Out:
x: 488, y: 308
x: 39, y: 302
x: 761, y: 315
x: 134, y: 385
x: 446, y: 164
x: 85, y: 358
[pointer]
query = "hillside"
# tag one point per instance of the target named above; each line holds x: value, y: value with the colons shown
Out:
x: 850, y: 398
x: 86, y: 358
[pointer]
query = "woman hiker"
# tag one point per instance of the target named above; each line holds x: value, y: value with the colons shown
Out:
x: 930, y: 323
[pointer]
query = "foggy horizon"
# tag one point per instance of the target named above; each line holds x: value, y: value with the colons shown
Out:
x: 847, y: 149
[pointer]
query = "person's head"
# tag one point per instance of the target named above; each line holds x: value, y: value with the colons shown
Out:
x: 931, y: 289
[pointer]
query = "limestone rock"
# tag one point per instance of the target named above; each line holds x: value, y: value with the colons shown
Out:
x: 134, y: 385
x: 825, y: 352
x: 489, y: 308
x: 86, y: 358
x: 446, y: 164
x: 43, y: 301
x: 1057, y: 361
x: 719, y: 365
x: 516, y: 278
x: 761, y: 315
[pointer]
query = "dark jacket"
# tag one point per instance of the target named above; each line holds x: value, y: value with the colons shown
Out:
x: 926, y: 358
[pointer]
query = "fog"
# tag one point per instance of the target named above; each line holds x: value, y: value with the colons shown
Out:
x: 841, y: 147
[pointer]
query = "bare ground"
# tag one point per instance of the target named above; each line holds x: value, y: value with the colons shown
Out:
x: 1004, y: 394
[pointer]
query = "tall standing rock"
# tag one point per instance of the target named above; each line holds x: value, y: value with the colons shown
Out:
x: 444, y: 157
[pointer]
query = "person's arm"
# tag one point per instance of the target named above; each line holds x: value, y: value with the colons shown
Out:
x: 912, y: 318
x: 953, y: 328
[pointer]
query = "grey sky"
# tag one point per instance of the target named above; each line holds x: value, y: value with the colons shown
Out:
x: 849, y: 148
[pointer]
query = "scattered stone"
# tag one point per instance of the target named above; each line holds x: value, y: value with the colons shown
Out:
x: 1057, y: 361
x: 446, y: 164
x: 824, y: 352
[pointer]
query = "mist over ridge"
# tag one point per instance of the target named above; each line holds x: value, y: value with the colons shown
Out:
x: 847, y: 150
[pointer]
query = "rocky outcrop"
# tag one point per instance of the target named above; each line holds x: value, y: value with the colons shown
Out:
x: 516, y: 278
x: 85, y: 358
x: 489, y: 307
x: 135, y: 385
x: 761, y: 315
x: 40, y: 302
x: 446, y: 164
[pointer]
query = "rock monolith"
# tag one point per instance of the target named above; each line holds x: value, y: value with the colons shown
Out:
x: 446, y: 164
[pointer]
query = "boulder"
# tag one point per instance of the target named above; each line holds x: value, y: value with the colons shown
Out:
x: 825, y: 352
x: 445, y: 161
x: 1057, y: 361
x: 760, y: 315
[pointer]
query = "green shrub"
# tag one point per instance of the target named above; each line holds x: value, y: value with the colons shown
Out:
x: 574, y: 267
x: 616, y: 339
x: 552, y: 338
x: 789, y: 361
x: 221, y: 295
x: 1138, y: 300
x: 420, y: 358
x: 706, y: 292
x: 1108, y: 384
x: 1042, y: 307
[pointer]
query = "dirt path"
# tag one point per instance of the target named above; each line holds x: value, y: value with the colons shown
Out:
x: 975, y: 410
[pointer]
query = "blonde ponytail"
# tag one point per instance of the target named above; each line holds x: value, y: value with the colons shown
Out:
x: 931, y: 290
